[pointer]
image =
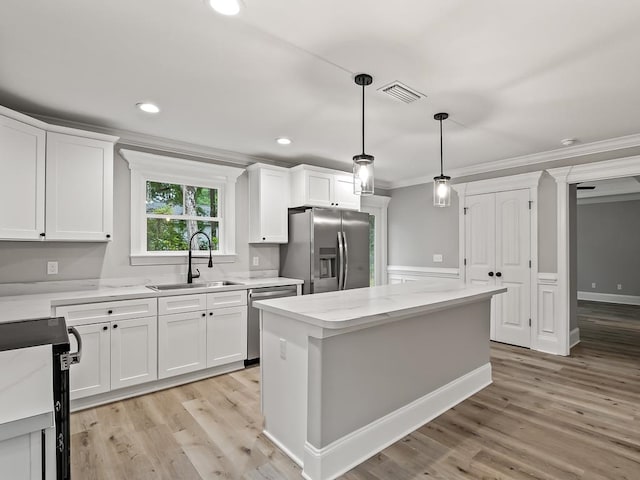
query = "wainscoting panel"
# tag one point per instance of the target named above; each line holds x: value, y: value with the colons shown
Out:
x: 404, y: 274
x: 546, y: 327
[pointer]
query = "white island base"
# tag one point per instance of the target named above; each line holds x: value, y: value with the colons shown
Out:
x: 368, y: 367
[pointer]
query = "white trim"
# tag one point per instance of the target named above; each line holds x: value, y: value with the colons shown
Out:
x: 427, y: 272
x: 601, y: 146
x: 609, y: 298
x: 345, y: 453
x: 545, y: 278
x: 287, y: 452
x: 574, y: 337
x: 623, y: 197
x: 378, y: 205
x: 623, y: 167
x: 500, y: 184
x: 149, y: 166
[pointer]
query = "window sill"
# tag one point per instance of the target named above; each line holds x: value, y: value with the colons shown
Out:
x: 179, y: 258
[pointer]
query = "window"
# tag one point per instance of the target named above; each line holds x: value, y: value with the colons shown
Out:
x: 171, y: 199
x: 175, y: 212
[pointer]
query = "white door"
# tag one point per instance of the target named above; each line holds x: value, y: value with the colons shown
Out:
x: 274, y: 202
x: 22, y: 167
x: 513, y: 252
x: 79, y: 196
x: 319, y: 189
x: 343, y: 193
x: 226, y: 335
x: 497, y: 252
x: 182, y: 343
x: 91, y: 375
x: 134, y: 351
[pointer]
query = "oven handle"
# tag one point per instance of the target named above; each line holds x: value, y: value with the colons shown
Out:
x: 75, y: 357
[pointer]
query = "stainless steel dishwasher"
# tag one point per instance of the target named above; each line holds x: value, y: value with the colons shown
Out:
x: 253, y: 316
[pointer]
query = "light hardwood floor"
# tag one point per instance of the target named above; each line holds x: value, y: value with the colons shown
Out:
x: 544, y: 417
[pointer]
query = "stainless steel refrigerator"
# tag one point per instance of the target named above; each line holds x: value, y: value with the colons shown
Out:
x: 328, y: 249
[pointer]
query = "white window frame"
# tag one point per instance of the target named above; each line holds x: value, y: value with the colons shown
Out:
x: 377, y: 205
x: 159, y: 168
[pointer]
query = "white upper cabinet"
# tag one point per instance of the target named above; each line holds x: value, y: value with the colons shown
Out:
x: 22, y: 160
x: 79, y: 198
x: 56, y: 182
x: 268, y: 204
x: 321, y: 187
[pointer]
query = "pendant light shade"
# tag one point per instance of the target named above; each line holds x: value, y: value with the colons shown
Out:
x: 363, y: 163
x: 441, y: 183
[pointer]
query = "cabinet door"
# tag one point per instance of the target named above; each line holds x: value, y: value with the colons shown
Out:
x: 22, y: 163
x: 91, y: 375
x: 319, y: 189
x: 343, y: 193
x: 79, y: 195
x: 134, y: 351
x: 274, y: 201
x: 21, y: 457
x: 226, y: 336
x: 182, y: 343
x: 513, y: 308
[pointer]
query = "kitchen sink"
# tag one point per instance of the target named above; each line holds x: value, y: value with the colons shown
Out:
x: 181, y: 286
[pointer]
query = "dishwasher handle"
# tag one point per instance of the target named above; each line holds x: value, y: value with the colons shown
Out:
x: 253, y: 295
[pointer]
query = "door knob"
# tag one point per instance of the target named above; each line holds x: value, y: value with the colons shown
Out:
x: 491, y: 274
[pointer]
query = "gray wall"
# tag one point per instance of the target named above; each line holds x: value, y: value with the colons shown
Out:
x: 608, y: 246
x: 417, y: 229
x: 26, y: 261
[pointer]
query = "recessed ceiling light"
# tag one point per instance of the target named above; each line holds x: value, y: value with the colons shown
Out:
x: 225, y: 7
x: 567, y: 142
x: 148, y: 107
x: 283, y: 141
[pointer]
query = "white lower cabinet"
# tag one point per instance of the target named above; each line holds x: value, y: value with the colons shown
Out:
x: 91, y: 375
x: 226, y: 335
x: 182, y: 343
x: 134, y: 352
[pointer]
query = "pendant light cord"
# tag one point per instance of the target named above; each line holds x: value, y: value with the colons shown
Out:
x: 363, y: 118
x: 441, y: 163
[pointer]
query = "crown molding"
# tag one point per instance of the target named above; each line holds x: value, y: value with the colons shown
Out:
x: 602, y: 146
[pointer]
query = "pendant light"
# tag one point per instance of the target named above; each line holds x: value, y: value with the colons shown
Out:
x: 441, y: 183
x: 363, y: 163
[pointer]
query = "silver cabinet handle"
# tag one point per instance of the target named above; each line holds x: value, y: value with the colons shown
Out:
x: 75, y: 357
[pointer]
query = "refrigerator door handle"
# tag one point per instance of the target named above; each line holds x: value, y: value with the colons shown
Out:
x: 341, y: 260
x: 346, y: 260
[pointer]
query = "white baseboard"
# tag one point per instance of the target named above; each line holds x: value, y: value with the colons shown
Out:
x: 574, y: 337
x: 609, y: 298
x: 329, y: 462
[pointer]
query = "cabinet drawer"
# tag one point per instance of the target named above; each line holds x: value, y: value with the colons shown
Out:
x: 234, y: 298
x: 182, y: 304
x: 108, y: 311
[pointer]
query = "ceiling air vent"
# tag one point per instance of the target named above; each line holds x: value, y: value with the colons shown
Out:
x: 401, y: 92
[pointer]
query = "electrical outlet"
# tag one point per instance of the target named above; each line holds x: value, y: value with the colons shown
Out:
x: 619, y: 286
x: 52, y: 268
x: 437, y: 258
x: 256, y: 261
x: 593, y: 285
x: 283, y: 349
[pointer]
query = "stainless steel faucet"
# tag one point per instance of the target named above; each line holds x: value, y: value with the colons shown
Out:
x: 190, y: 275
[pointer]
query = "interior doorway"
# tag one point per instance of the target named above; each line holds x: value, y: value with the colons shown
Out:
x: 376, y: 207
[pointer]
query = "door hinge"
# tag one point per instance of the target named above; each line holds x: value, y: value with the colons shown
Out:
x: 529, y: 322
x: 465, y: 210
x: 529, y: 263
x: 465, y: 261
x: 530, y: 203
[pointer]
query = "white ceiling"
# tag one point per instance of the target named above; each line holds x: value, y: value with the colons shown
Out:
x: 515, y: 77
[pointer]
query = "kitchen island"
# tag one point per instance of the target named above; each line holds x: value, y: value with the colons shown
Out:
x: 345, y: 374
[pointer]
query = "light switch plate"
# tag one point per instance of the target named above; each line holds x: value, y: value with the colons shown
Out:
x: 437, y: 258
x: 256, y: 261
x: 619, y: 286
x: 593, y: 285
x: 52, y: 268
x: 283, y: 349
